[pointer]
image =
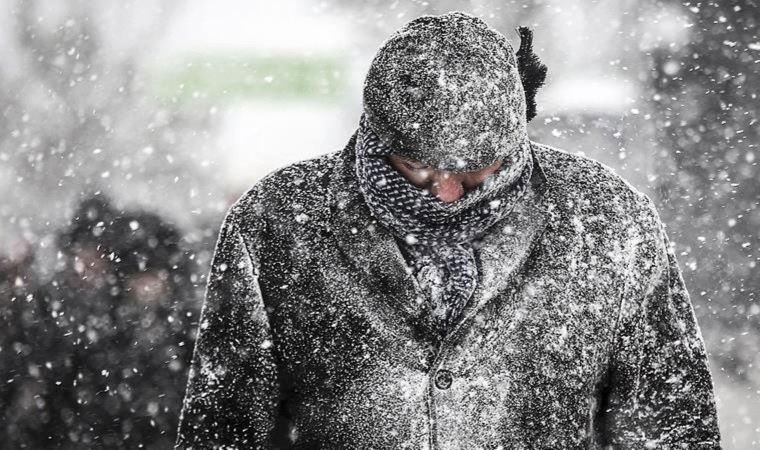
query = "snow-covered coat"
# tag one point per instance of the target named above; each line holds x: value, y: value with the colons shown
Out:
x: 580, y: 332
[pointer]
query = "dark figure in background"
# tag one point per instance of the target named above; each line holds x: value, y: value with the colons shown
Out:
x: 154, y: 315
x: 444, y: 282
x: 25, y: 337
x: 81, y: 297
x: 117, y: 340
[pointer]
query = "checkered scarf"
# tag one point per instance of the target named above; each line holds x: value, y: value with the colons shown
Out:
x: 436, y: 237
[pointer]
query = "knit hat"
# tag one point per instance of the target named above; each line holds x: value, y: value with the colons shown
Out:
x: 447, y: 91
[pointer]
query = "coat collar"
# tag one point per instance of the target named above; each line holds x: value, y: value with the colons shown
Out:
x: 375, y: 254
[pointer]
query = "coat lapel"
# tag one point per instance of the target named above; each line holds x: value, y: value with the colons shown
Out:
x: 506, y: 248
x: 371, y: 248
x: 374, y: 253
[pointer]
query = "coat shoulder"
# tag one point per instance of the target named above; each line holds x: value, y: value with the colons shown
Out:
x: 582, y: 185
x: 591, y: 205
x: 594, y: 210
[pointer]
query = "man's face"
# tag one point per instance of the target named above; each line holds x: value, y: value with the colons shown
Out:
x: 448, y: 186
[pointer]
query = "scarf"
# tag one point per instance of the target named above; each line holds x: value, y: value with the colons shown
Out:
x: 438, y: 238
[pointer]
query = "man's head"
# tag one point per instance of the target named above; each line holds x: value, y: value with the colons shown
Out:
x: 446, y: 92
x: 452, y: 99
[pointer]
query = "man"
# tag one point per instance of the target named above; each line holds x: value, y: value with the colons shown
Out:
x: 444, y: 282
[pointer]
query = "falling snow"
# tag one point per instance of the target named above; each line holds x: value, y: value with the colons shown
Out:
x: 144, y: 302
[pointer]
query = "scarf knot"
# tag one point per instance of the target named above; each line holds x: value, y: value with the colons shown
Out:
x: 437, y: 237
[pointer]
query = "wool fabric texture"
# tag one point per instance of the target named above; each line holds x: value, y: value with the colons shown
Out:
x: 436, y: 237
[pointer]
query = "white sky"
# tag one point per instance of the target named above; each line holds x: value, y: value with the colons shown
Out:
x: 258, y: 135
x: 260, y: 26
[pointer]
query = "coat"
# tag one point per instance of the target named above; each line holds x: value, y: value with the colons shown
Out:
x: 580, y: 333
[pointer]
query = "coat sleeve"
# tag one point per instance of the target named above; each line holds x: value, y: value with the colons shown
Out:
x: 660, y: 392
x: 233, y: 390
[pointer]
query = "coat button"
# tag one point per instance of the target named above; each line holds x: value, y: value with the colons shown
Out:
x: 443, y: 379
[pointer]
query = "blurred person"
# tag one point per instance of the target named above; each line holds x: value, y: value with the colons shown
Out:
x: 79, y: 298
x: 445, y: 282
x: 122, y: 342
x: 72, y: 303
x: 154, y: 314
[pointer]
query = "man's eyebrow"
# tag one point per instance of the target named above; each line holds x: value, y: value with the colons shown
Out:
x: 411, y: 162
x: 415, y: 164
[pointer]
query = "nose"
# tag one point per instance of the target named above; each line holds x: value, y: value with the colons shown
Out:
x: 447, y: 187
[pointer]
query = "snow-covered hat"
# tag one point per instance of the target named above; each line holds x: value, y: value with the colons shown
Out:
x: 446, y: 91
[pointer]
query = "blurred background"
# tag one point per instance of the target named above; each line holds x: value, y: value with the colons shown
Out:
x: 127, y: 128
